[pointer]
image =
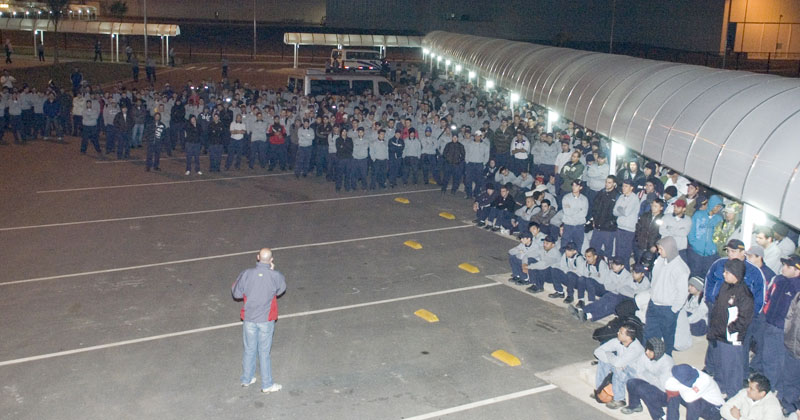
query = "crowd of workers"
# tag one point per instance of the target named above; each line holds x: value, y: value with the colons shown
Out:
x: 638, y: 240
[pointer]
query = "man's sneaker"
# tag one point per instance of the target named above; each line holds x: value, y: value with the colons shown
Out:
x: 504, y: 231
x: 523, y: 282
x: 273, y: 388
x: 580, y: 304
x: 481, y: 223
x: 555, y: 295
x: 615, y: 404
x: 534, y: 289
x: 188, y: 173
x: 252, y: 381
x: 514, y: 279
x: 496, y: 229
x: 629, y: 410
x: 199, y: 172
x: 568, y: 299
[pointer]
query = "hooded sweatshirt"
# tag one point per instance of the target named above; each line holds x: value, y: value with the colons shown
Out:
x: 701, y: 236
x: 670, y: 277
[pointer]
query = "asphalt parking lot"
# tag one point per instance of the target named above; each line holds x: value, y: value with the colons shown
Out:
x: 115, y: 299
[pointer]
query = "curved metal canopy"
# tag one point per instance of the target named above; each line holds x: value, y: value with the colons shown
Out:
x: 737, y: 132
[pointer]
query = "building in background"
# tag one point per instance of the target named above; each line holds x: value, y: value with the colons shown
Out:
x: 763, y: 28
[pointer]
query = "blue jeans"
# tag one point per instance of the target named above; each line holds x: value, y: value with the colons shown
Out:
x: 473, y: 175
x: 138, y: 130
x: 661, y: 322
x: 639, y: 391
x: 257, y: 338
x: 694, y: 410
x: 234, y: 154
x: 379, y: 168
x: 572, y: 233
x: 624, y: 244
x: 193, y: 155
x: 214, y: 157
x: 603, y: 242
x: 618, y: 381
x: 303, y: 160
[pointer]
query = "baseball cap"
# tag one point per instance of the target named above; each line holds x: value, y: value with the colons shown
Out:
x: 756, y: 250
x: 550, y: 238
x: 792, y: 261
x: 735, y: 244
x: 639, y: 268
x: 680, y: 203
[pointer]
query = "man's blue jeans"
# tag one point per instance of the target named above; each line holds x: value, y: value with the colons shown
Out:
x: 257, y: 339
x: 618, y: 381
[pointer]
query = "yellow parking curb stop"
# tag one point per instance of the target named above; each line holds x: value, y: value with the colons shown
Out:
x: 506, y: 357
x: 427, y: 315
x: 402, y: 200
x: 447, y: 215
x: 469, y: 268
x: 413, y: 244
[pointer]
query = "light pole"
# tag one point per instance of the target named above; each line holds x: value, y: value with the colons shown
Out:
x: 254, y: 29
x: 613, y: 18
x: 144, y: 12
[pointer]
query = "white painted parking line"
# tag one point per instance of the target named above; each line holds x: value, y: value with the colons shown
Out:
x: 105, y: 162
x: 187, y: 213
x: 234, y: 324
x: 260, y: 70
x: 488, y: 401
x: 189, y: 68
x: 150, y: 184
x: 234, y: 254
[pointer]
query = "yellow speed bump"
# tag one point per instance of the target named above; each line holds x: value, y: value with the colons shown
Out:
x: 469, y: 268
x: 427, y: 315
x: 506, y: 357
x: 413, y: 244
x: 447, y: 215
x: 402, y: 200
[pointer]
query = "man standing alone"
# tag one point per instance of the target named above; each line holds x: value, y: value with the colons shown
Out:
x: 259, y: 287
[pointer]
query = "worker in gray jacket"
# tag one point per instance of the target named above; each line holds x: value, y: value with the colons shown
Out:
x: 541, y: 270
x: 476, y: 157
x: 258, y: 141
x: 575, y: 207
x: 379, y: 153
x: 90, y: 115
x: 626, y: 209
x: 305, y: 144
x: 678, y: 226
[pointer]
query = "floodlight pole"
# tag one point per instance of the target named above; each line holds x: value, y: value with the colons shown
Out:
x: 144, y: 9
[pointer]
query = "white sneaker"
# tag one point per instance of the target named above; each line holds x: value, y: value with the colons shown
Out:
x: 504, y: 231
x: 252, y: 381
x: 188, y: 173
x: 199, y: 172
x: 273, y: 388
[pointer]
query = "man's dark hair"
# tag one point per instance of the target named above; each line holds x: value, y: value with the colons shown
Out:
x: 762, y: 382
x: 546, y: 201
x: 630, y: 329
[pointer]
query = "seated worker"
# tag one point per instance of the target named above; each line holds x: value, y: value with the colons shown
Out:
x: 501, y: 211
x: 755, y: 402
x: 651, y: 374
x: 522, y: 217
x: 621, y: 286
x: 545, y: 216
x: 483, y: 204
x: 520, y: 256
x: 539, y: 271
x: 570, y: 268
x: 618, y: 357
x: 694, y: 390
x: 592, y: 282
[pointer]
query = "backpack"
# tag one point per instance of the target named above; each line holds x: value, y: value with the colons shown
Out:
x: 605, y: 392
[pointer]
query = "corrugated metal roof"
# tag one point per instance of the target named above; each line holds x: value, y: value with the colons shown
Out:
x: 88, y: 27
x: 737, y: 132
x: 352, y: 40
